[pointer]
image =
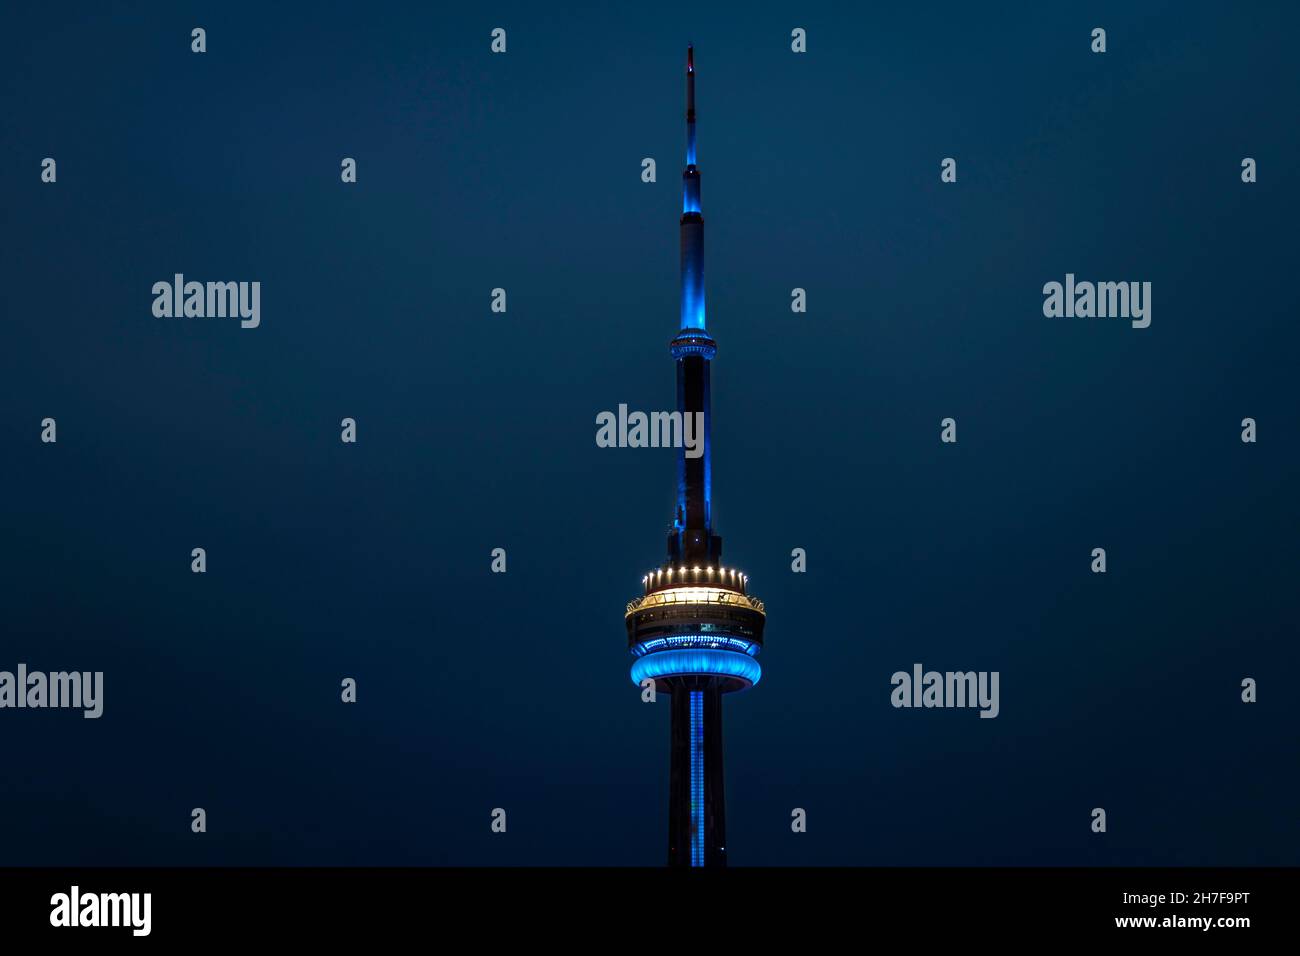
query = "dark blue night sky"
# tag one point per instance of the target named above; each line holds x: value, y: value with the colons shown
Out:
x: 476, y: 430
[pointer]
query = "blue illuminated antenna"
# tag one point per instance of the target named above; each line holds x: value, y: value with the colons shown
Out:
x: 692, y: 218
x: 690, y: 119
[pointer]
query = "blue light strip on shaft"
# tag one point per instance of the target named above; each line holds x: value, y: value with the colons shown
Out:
x: 697, y: 778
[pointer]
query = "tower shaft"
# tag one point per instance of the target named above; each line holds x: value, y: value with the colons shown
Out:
x: 695, y: 633
x: 694, y: 522
x: 697, y: 807
x: 697, y: 811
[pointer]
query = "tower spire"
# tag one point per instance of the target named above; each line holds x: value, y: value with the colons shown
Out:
x: 692, y: 539
x: 690, y: 106
x: 692, y: 220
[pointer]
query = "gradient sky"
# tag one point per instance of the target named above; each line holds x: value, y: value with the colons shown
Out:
x: 477, y: 430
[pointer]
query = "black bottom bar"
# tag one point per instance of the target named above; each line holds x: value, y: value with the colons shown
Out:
x: 1155, y: 907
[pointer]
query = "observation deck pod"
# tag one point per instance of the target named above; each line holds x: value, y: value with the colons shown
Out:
x: 696, y: 623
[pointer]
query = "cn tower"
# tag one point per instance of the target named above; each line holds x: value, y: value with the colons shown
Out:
x: 695, y: 632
